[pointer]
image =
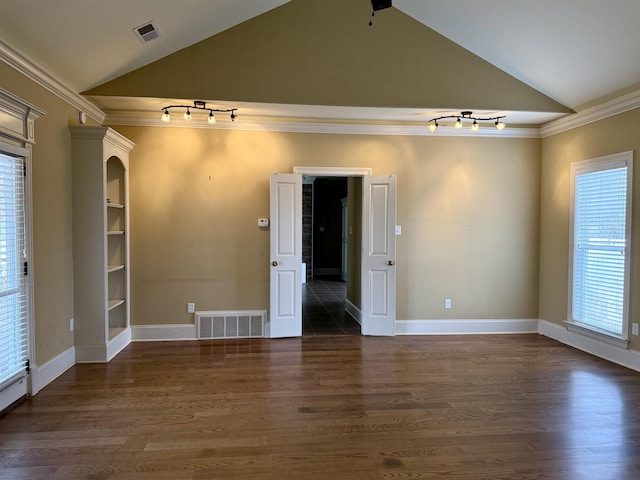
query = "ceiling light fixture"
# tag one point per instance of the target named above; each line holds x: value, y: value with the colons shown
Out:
x: 199, y: 105
x: 467, y: 115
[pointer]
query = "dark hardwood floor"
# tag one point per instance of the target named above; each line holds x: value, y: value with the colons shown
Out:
x: 509, y: 407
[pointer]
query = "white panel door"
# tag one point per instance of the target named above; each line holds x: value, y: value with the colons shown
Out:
x: 285, y: 310
x: 379, y: 252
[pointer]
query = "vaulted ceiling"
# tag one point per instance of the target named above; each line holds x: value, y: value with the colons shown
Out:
x: 536, y: 61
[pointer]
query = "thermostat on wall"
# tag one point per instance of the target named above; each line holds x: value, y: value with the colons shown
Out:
x: 263, y: 222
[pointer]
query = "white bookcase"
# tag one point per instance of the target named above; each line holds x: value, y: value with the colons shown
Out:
x: 100, y: 178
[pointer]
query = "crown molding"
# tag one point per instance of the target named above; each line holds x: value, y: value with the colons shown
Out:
x: 306, y: 126
x: 608, y: 109
x: 15, y: 59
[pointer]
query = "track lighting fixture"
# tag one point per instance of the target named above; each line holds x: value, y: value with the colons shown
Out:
x: 466, y: 115
x: 199, y: 105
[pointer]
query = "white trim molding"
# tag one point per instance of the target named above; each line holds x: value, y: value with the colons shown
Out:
x: 43, y: 375
x: 159, y: 333
x: 308, y: 126
x: 608, y: 109
x: 15, y: 59
x: 466, y: 326
x: 616, y: 354
x: 353, y: 310
x: 105, y: 352
x: 333, y: 171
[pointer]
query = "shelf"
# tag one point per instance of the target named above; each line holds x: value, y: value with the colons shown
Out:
x: 115, y: 303
x: 114, y: 268
x: 114, y: 332
x: 115, y: 232
x: 114, y: 205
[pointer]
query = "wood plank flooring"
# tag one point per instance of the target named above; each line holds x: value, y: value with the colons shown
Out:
x: 509, y: 407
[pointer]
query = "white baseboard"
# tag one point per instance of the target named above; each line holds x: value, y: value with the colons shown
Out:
x: 13, y: 393
x: 148, y: 333
x: 91, y: 353
x: 103, y: 353
x: 118, y: 343
x: 615, y: 354
x: 353, y: 310
x: 43, y: 375
x: 466, y: 326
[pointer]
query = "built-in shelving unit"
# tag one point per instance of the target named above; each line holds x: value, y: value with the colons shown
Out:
x: 101, y: 241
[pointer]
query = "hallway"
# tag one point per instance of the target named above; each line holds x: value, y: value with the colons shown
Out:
x: 323, y: 313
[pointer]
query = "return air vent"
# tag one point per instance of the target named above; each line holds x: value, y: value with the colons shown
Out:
x: 147, y: 32
x: 230, y: 324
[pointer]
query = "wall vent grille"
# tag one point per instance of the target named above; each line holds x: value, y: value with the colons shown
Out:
x: 230, y: 324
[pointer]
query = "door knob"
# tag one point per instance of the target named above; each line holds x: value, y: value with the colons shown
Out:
x: 274, y: 263
x: 390, y: 263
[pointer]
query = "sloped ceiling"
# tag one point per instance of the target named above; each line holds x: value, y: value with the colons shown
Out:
x: 322, y: 52
x: 420, y: 57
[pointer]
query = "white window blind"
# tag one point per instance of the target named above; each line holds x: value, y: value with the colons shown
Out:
x: 14, y: 345
x: 600, y: 246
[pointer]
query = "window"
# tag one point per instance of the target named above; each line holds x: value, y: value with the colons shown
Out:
x: 13, y: 282
x: 600, y: 233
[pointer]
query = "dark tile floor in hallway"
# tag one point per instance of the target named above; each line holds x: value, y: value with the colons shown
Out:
x: 323, y: 313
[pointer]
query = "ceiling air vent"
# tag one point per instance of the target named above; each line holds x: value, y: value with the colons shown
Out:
x: 146, y: 32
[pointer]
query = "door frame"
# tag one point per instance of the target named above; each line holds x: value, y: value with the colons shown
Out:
x: 340, y: 172
x: 18, y: 125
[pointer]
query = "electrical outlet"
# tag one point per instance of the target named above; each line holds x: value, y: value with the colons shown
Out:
x: 71, y: 325
x: 191, y: 307
x: 634, y: 329
x: 447, y: 303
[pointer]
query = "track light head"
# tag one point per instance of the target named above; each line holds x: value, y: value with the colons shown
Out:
x: 234, y: 117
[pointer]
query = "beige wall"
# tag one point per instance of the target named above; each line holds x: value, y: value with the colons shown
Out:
x: 613, y: 135
x: 468, y: 208
x: 52, y: 265
x: 354, y: 241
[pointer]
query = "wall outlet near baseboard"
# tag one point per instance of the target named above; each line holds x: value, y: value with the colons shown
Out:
x: 634, y: 329
x: 191, y: 307
x: 71, y: 325
x: 447, y: 303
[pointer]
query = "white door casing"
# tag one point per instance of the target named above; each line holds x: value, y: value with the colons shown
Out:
x: 285, y: 310
x: 378, y: 307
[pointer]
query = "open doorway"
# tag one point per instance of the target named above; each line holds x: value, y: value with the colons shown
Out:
x: 372, y: 298
x: 325, y: 254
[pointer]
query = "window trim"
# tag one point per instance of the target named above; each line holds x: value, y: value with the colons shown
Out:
x: 617, y: 160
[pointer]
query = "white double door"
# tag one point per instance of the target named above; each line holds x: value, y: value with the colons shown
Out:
x: 378, y: 288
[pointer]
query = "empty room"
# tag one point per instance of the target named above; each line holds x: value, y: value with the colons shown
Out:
x: 318, y: 239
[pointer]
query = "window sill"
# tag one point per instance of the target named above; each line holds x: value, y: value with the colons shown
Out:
x: 605, y: 337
